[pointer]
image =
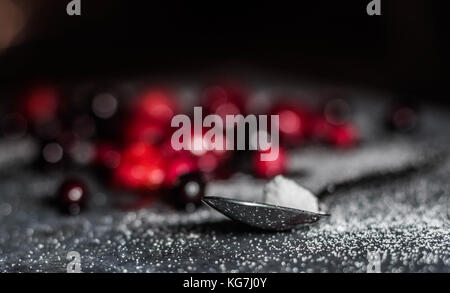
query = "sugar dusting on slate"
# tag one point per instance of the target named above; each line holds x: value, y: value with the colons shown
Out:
x: 285, y: 192
x: 405, y: 221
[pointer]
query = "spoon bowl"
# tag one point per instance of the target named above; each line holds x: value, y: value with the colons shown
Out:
x: 261, y: 215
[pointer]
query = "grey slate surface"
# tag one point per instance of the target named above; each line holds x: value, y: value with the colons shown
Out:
x: 403, y: 220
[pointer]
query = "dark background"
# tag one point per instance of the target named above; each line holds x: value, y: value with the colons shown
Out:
x: 405, y: 49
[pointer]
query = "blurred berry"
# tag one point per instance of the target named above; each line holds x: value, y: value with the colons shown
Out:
x: 292, y: 123
x: 82, y: 152
x: 403, y: 117
x: 107, y: 156
x: 104, y: 105
x: 179, y: 165
x: 72, y: 196
x: 224, y: 100
x: 52, y: 154
x: 141, y: 167
x: 209, y: 157
x: 188, y: 190
x: 48, y: 130
x: 41, y: 104
x: 319, y: 129
x: 144, y: 130
x: 84, y: 126
x: 337, y: 111
x: 344, y: 136
x: 269, y: 168
x: 155, y: 106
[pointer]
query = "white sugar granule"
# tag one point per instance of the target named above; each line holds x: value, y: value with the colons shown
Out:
x: 285, y: 192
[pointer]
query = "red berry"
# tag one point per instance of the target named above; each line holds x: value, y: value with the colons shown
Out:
x: 209, y: 161
x: 141, y: 167
x: 41, y: 104
x: 106, y: 155
x: 319, y: 128
x: 344, y: 136
x: 155, y: 105
x: 179, y: 165
x: 143, y: 130
x: 72, y: 196
x: 151, y: 117
x: 292, y: 123
x: 206, y: 161
x: 224, y: 100
x: 166, y: 148
x: 270, y: 168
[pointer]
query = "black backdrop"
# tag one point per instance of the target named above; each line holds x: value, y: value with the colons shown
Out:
x: 406, y: 47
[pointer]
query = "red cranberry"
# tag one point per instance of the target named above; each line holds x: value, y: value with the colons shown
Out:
x: 270, y: 168
x: 41, y: 104
x: 188, y: 190
x: 179, y: 165
x: 292, y: 123
x: 343, y: 136
x: 141, y: 167
x: 72, y: 196
x: 224, y: 100
x: 319, y: 129
x: 155, y: 105
x: 107, y: 155
x: 143, y: 130
x: 209, y: 161
x: 166, y: 148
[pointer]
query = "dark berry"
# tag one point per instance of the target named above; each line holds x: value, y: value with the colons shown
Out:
x: 337, y: 111
x: 188, y: 190
x: 319, y: 129
x: 41, y: 103
x: 99, y: 112
x: 13, y: 125
x: 72, y: 196
x: 403, y: 117
x: 51, y: 157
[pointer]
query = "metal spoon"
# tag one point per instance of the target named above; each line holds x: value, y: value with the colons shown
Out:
x: 261, y: 215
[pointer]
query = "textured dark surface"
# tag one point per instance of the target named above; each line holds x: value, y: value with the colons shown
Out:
x: 403, y: 219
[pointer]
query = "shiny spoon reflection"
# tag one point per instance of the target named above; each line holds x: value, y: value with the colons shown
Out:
x: 261, y: 215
